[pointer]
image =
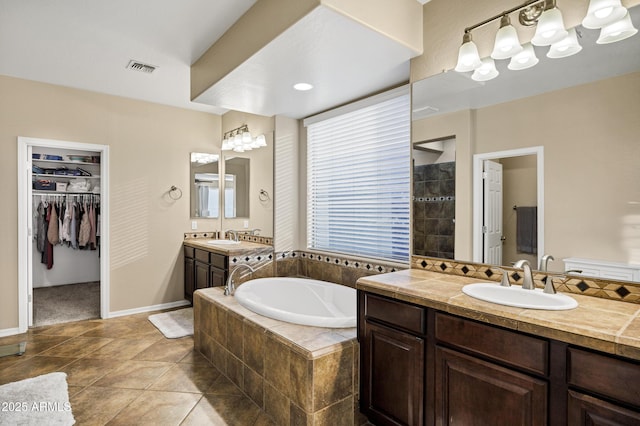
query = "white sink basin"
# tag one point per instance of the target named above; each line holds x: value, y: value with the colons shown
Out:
x: 222, y: 242
x: 516, y: 296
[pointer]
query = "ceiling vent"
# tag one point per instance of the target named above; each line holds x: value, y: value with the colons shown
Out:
x: 139, y: 66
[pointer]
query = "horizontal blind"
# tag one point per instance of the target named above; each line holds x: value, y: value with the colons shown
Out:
x: 359, y: 181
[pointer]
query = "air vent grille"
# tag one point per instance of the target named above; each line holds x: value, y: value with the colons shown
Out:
x: 139, y: 66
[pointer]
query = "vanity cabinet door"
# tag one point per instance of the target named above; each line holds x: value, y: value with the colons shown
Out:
x: 585, y: 410
x: 470, y: 391
x: 393, y: 376
x: 218, y: 277
x: 189, y: 278
x: 202, y: 275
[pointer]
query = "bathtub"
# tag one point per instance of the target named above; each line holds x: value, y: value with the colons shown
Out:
x: 300, y: 301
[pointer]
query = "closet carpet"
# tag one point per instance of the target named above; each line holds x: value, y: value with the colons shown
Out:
x: 65, y: 303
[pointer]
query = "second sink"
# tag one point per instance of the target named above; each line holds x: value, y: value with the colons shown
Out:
x: 516, y: 296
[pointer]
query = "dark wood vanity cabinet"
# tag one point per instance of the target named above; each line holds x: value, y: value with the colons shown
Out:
x: 203, y: 269
x: 392, y: 352
x: 420, y: 366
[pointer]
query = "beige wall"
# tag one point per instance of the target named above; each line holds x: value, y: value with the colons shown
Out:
x: 149, y: 149
x: 261, y: 176
x: 591, y: 153
x: 445, y: 21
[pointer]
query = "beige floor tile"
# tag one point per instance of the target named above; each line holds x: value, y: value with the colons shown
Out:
x: 167, y: 350
x: 194, y: 378
x: 96, y: 405
x: 77, y: 347
x: 157, y: 408
x: 85, y: 371
x: 194, y: 357
x: 122, y: 349
x: 134, y: 374
x: 223, y: 410
x: 126, y: 328
x: 223, y: 386
x: 32, y: 367
x: 66, y: 329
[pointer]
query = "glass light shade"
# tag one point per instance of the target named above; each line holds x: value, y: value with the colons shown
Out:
x: 507, y: 43
x: 237, y: 140
x: 486, y: 71
x: 238, y: 149
x: 602, y: 13
x: 617, y: 31
x: 246, y: 137
x: 468, y: 58
x: 550, y: 28
x: 226, y: 146
x: 261, y: 141
x: 523, y: 60
x: 566, y: 47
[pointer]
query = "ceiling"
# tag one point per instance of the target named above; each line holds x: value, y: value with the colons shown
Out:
x: 87, y: 44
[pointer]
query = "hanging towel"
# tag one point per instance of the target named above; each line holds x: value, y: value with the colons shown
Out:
x: 527, y: 230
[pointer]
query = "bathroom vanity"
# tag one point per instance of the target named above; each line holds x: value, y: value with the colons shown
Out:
x: 207, y: 264
x: 432, y: 355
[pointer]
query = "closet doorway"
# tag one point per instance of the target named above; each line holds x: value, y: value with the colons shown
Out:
x: 63, y: 262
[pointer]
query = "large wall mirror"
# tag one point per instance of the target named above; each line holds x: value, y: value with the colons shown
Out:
x: 205, y: 185
x: 581, y: 112
x: 237, y: 178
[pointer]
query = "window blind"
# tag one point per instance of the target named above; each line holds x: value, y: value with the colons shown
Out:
x: 358, y: 166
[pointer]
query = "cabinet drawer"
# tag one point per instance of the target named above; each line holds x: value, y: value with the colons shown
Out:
x: 189, y: 252
x: 409, y: 317
x: 202, y: 255
x: 218, y: 260
x: 505, y: 346
x: 605, y: 375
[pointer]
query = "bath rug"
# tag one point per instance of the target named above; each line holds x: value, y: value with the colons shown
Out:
x: 174, y: 324
x: 42, y: 400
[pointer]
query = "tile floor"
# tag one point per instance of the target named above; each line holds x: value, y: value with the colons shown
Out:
x: 122, y: 371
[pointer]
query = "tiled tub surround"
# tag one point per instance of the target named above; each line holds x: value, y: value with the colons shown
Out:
x: 605, y: 325
x: 296, y: 374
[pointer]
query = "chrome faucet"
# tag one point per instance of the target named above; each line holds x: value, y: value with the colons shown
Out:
x: 544, y: 262
x: 231, y: 232
x: 229, y: 288
x: 527, y: 282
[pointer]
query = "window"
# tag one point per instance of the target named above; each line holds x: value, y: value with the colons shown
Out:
x: 358, y: 177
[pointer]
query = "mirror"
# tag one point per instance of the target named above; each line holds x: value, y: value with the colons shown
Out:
x: 582, y: 110
x: 236, y: 187
x: 205, y: 186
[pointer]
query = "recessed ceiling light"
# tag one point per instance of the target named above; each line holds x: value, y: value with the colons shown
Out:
x: 303, y: 86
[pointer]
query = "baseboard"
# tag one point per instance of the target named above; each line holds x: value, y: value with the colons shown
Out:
x: 143, y: 309
x: 9, y: 332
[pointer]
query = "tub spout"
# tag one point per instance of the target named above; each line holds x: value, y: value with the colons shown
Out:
x: 229, y: 288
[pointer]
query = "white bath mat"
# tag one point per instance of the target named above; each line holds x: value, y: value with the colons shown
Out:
x: 42, y: 400
x: 174, y: 324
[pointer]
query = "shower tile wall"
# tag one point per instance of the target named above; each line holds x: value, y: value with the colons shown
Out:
x: 434, y: 210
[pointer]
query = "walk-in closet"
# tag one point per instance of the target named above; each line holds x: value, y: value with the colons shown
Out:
x: 65, y: 245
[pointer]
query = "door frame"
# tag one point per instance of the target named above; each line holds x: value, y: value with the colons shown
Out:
x: 478, y: 160
x: 25, y: 276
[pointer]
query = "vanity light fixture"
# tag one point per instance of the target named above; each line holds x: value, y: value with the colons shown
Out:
x: 240, y: 140
x: 609, y: 15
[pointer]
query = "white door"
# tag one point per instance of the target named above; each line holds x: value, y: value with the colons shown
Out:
x: 492, y: 217
x: 30, y: 232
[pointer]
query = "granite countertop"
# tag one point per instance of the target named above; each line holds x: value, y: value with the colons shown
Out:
x: 600, y: 324
x: 228, y: 249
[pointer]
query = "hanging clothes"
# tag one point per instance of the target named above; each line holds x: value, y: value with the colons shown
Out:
x: 52, y: 232
x: 85, y: 228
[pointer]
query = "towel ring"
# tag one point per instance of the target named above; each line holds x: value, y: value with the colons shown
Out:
x: 264, y: 195
x: 175, y: 193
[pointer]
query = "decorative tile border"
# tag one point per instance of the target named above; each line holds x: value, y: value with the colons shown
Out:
x: 194, y: 235
x: 242, y: 237
x: 596, y: 287
x: 349, y: 262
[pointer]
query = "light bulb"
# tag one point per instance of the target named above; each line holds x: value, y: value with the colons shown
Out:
x: 550, y: 28
x: 507, y: 43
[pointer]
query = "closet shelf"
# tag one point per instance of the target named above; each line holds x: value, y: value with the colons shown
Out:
x: 42, y: 192
x: 65, y: 162
x: 50, y: 176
